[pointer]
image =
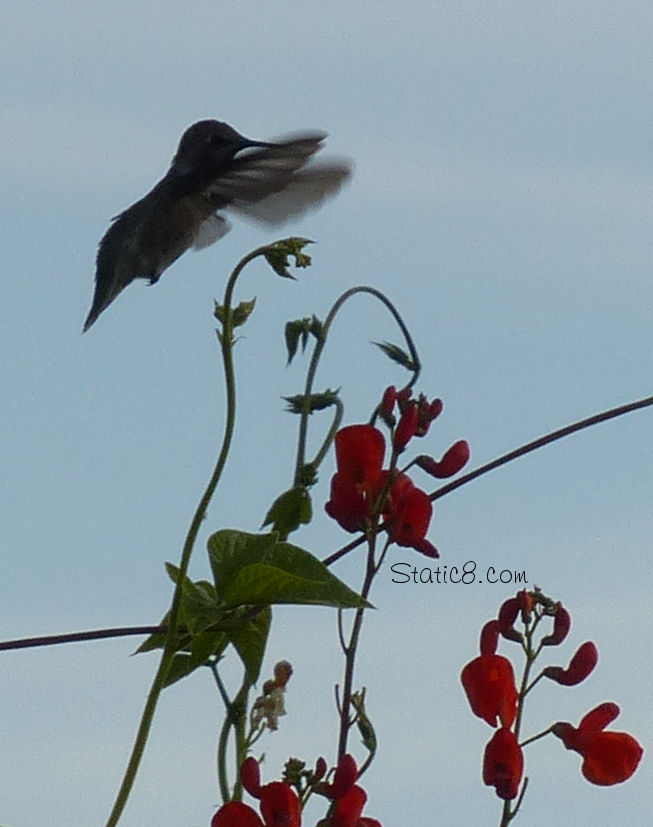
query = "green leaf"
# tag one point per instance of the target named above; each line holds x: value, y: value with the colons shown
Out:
x: 299, y: 330
x: 278, y: 253
x: 397, y: 355
x: 316, y: 401
x: 203, y: 647
x: 250, y: 641
x: 233, y: 316
x: 230, y: 550
x: 365, y: 727
x: 200, y: 612
x: 290, y: 510
x: 293, y: 332
x: 243, y: 312
x: 199, y: 603
x: 287, y: 574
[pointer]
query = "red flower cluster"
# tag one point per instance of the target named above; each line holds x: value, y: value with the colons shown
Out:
x: 488, y: 680
x: 279, y: 804
x: 608, y: 757
x: 362, y: 491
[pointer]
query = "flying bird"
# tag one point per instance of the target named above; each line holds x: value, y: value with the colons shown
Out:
x: 215, y: 168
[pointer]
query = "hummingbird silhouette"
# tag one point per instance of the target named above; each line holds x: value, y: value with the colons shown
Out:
x: 214, y: 168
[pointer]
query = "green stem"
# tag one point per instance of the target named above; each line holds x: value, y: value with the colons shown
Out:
x: 235, y: 718
x: 226, y: 343
x: 350, y: 652
x: 328, y: 439
x: 223, y: 781
x: 240, y: 708
x: 537, y: 737
x: 317, y: 353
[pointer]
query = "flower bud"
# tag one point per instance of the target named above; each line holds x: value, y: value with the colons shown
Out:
x: 250, y: 775
x: 455, y: 458
x: 406, y: 428
x: 507, y: 616
x: 561, y: 627
x: 526, y: 605
x: 580, y: 667
x: 490, y: 637
x: 435, y: 409
x: 320, y: 769
x: 403, y: 398
x: 387, y: 404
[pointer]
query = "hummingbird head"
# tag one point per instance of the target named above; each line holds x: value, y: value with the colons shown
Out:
x: 209, y: 145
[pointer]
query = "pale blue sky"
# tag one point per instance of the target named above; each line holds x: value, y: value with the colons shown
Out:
x: 503, y: 197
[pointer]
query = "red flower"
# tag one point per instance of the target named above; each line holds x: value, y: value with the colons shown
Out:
x: 408, y: 512
x: 359, y: 454
x: 489, y: 681
x: 503, y: 764
x: 236, y: 814
x: 280, y: 806
x: 581, y: 665
x: 349, y: 807
x: 355, y: 486
x: 344, y: 778
x: 608, y: 757
x: 349, y: 797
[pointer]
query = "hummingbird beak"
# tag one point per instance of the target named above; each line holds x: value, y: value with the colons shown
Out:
x: 247, y: 144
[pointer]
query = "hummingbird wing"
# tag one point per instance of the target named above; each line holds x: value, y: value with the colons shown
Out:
x: 307, y: 190
x: 271, y: 185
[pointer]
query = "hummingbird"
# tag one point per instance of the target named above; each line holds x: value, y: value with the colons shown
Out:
x: 215, y: 168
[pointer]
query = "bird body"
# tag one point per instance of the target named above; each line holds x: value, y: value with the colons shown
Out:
x: 214, y: 168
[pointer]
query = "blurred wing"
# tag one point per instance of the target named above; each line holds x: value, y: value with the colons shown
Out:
x: 269, y: 185
x: 307, y: 190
